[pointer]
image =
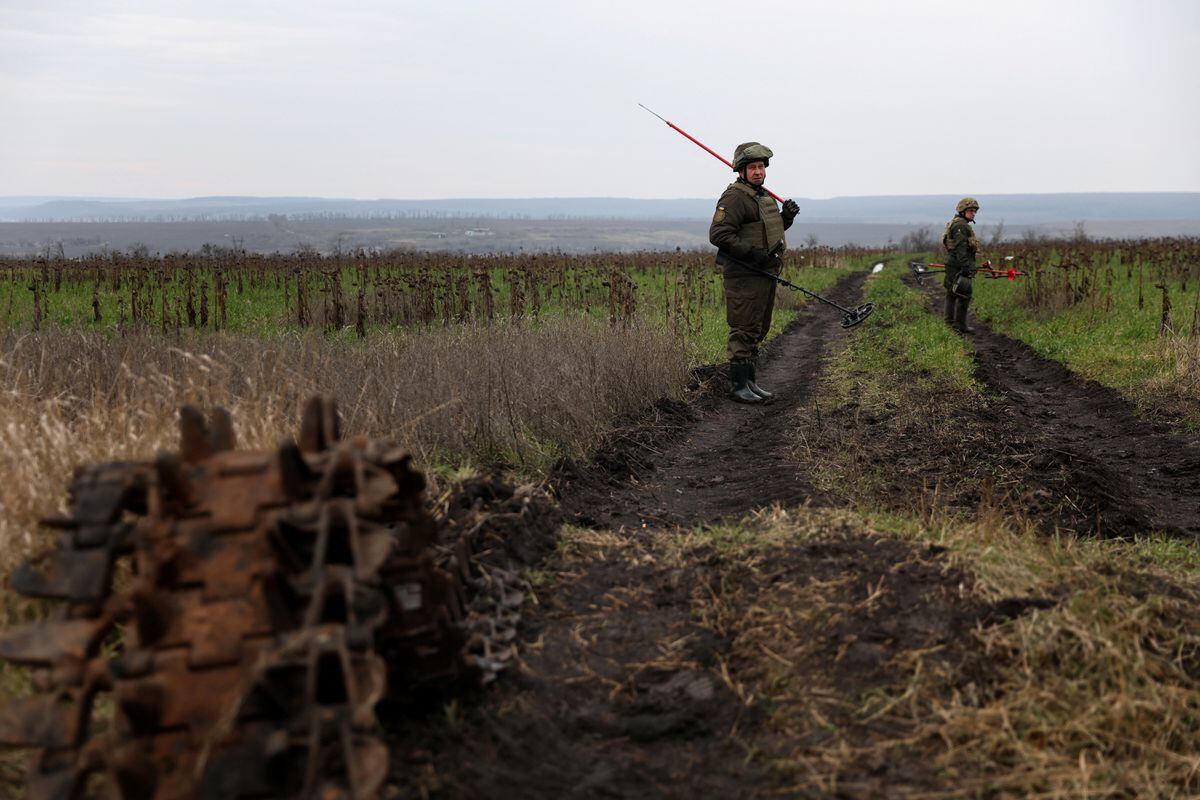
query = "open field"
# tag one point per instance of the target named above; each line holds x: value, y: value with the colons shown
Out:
x: 935, y: 566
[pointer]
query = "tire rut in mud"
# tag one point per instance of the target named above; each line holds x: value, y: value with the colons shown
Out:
x: 724, y: 459
x: 1127, y: 475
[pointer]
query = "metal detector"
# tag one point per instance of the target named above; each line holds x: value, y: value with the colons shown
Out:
x: 852, y: 316
x: 920, y: 269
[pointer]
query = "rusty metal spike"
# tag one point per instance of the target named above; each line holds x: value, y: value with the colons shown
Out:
x: 43, y: 720
x: 319, y: 427
x: 294, y: 472
x: 81, y: 575
x: 223, y: 437
x: 172, y: 481
x: 195, y: 440
x: 45, y: 643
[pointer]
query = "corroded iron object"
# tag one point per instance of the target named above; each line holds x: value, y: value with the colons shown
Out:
x: 230, y: 619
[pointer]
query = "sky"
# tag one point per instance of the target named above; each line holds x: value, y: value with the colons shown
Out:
x: 539, y: 98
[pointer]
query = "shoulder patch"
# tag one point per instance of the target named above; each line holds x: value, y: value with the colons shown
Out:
x: 720, y: 215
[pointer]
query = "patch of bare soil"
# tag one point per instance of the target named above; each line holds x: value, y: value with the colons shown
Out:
x: 663, y: 664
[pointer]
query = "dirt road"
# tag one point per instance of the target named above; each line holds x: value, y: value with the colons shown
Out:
x: 623, y: 688
x: 727, y: 459
x: 651, y: 664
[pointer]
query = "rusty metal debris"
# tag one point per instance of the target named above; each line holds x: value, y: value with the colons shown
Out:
x: 229, y: 619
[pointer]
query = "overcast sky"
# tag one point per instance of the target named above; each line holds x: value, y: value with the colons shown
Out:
x: 537, y: 98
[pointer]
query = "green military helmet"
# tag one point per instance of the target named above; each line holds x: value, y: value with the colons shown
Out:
x: 966, y: 203
x: 748, y: 152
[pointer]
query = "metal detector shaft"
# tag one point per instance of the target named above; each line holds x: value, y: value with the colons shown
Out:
x: 786, y: 282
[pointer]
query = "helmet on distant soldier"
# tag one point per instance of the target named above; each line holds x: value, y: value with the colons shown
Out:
x: 749, y: 152
x: 965, y: 204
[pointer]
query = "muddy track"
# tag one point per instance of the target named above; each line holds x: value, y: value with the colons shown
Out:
x: 1136, y: 475
x: 734, y: 458
x: 650, y: 665
x: 624, y: 687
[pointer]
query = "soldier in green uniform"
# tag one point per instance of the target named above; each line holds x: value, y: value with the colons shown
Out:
x: 746, y: 226
x: 961, y: 248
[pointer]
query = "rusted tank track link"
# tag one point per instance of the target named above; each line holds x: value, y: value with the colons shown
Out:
x: 230, y: 619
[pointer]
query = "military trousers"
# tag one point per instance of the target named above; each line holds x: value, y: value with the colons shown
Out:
x: 749, y: 302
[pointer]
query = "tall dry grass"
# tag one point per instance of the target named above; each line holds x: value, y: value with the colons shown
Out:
x: 452, y: 396
x: 1181, y: 381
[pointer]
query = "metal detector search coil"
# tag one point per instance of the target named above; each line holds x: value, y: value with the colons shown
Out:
x: 856, y: 316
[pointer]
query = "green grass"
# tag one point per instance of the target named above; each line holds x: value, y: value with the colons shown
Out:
x: 1107, y: 336
x: 899, y: 344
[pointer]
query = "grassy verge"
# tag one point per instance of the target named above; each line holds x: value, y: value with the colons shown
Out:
x: 890, y: 390
x: 901, y: 344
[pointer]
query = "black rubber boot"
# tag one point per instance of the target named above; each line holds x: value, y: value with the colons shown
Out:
x: 754, y: 387
x: 960, y: 316
x: 949, y: 313
x: 739, y: 376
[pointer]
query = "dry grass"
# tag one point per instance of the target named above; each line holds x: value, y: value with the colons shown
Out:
x: 454, y: 396
x: 1181, y: 381
x: 1096, y: 695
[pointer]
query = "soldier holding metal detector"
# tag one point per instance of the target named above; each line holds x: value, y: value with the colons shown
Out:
x: 961, y: 249
x: 747, y: 229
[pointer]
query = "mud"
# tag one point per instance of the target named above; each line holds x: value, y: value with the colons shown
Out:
x: 1125, y: 475
x: 716, y: 460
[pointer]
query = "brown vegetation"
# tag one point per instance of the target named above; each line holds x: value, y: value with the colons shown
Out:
x: 454, y: 396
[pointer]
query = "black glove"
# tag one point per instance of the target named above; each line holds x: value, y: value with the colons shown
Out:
x: 761, y: 257
x: 790, y: 210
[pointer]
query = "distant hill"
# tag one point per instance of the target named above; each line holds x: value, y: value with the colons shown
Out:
x: 1013, y: 209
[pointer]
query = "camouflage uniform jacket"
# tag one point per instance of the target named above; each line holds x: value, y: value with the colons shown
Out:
x: 961, y: 247
x: 746, y: 219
